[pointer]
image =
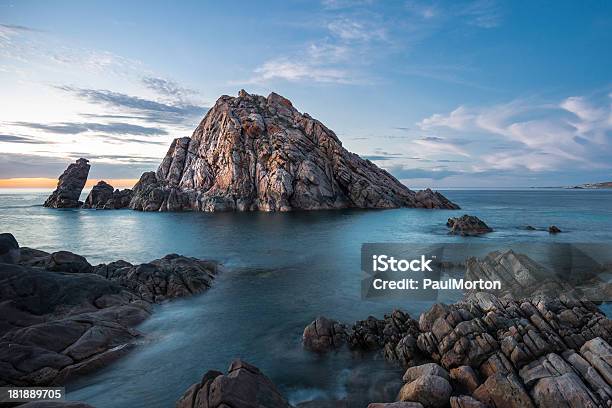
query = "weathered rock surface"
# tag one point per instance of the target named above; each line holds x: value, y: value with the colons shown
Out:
x: 59, y: 319
x: 254, y: 153
x: 323, y: 335
x: 501, y: 352
x: 9, y: 249
x: 104, y: 197
x: 69, y: 186
x: 244, y: 386
x: 56, y: 325
x: 520, y: 276
x: 169, y: 277
x: 467, y: 225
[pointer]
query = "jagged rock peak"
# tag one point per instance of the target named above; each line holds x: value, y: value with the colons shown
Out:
x: 254, y: 153
x: 69, y: 186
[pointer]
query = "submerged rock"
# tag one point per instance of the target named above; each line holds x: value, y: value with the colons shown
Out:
x: 467, y: 225
x: 244, y: 386
x: 9, y: 249
x: 553, y: 229
x: 69, y: 186
x: 252, y: 153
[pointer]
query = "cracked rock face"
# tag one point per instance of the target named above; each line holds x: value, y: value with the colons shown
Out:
x: 69, y: 186
x: 244, y: 386
x: 252, y: 153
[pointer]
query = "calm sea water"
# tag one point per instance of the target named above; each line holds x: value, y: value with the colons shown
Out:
x: 283, y: 271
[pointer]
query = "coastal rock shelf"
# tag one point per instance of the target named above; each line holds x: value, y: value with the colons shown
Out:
x: 61, y: 317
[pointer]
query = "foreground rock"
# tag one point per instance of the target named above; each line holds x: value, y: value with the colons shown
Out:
x: 520, y: 276
x: 103, y: 196
x: 254, y: 153
x: 170, y: 277
x: 244, y: 386
x: 69, y: 186
x: 467, y: 225
x: 9, y: 249
x: 61, y: 317
x: 501, y: 352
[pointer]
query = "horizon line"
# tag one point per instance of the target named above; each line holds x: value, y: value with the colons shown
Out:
x: 46, y: 182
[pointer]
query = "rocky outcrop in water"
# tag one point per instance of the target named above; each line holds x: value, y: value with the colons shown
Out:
x: 254, y: 153
x: 244, y: 386
x: 61, y: 317
x: 69, y: 186
x: 467, y: 225
x: 104, y: 197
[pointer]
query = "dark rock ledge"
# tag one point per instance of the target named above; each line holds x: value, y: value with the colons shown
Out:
x: 61, y: 317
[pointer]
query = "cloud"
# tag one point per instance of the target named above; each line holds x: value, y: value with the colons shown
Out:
x: 20, y: 139
x: 353, y: 30
x: 420, y: 173
x: 153, y: 111
x: 33, y: 165
x: 168, y: 88
x: 73, y: 128
x: 294, y: 71
x: 574, y: 133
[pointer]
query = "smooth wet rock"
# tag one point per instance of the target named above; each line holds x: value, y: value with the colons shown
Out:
x: 9, y: 249
x: 69, y: 186
x: 553, y: 229
x: 252, y: 153
x: 399, y: 404
x: 467, y: 225
x: 55, y: 324
x: 430, y: 390
x: 426, y: 369
x: 323, y: 335
x: 244, y: 386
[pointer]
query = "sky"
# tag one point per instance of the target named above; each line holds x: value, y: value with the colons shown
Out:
x: 475, y: 93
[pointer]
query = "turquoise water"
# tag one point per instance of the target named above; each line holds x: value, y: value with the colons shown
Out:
x: 283, y: 271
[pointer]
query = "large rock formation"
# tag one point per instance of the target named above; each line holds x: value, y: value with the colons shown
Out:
x: 104, y: 196
x: 255, y: 153
x: 61, y: 317
x: 69, y: 186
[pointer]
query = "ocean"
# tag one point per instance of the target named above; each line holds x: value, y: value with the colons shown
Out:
x: 282, y: 271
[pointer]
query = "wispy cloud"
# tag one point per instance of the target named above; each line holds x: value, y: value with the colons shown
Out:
x: 543, y: 136
x: 73, y: 128
x: 153, y: 111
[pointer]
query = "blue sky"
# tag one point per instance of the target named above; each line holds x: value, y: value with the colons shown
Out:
x: 443, y: 94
